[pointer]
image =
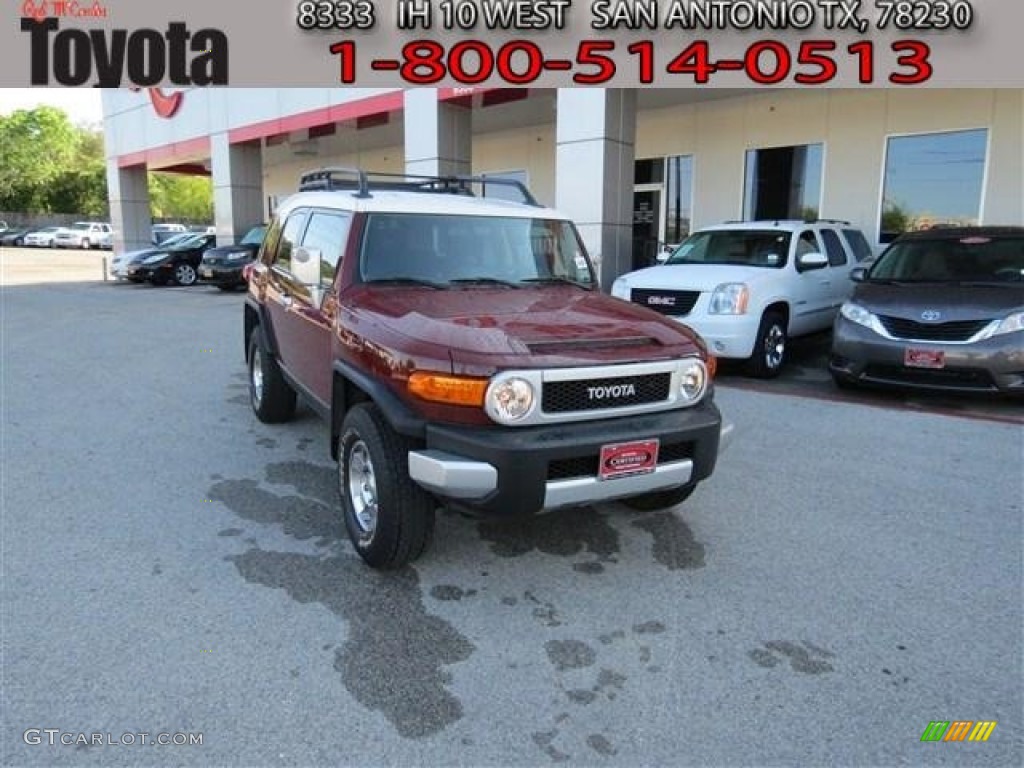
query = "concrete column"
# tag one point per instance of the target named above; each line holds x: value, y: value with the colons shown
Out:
x: 130, y: 218
x: 438, y: 135
x: 237, y: 187
x: 594, y: 155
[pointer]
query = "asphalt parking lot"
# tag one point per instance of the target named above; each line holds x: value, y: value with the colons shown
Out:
x: 850, y: 573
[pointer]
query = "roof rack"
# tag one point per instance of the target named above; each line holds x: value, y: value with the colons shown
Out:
x: 363, y: 183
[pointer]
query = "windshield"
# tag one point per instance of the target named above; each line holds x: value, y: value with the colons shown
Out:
x: 80, y: 226
x: 254, y: 236
x: 186, y: 242
x: 952, y: 260
x: 445, y: 250
x: 748, y: 247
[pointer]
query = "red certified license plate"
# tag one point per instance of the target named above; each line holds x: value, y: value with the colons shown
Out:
x: 924, y: 358
x: 636, y: 458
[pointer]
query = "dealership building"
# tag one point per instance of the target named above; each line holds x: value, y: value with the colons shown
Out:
x: 631, y: 167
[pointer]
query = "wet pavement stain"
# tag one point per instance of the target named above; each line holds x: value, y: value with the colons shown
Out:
x: 591, y: 568
x: 314, y: 480
x: 267, y: 442
x: 299, y: 516
x: 239, y: 400
x: 545, y: 740
x: 608, y: 679
x: 674, y: 545
x: 649, y: 628
x: 611, y: 637
x: 395, y: 668
x: 800, y: 659
x: 581, y: 696
x: 157, y: 569
x: 231, y: 532
x: 544, y: 612
x: 569, y: 654
x: 449, y: 593
x: 565, y: 533
x: 601, y: 745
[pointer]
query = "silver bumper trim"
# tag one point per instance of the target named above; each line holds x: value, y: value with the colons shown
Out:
x: 588, y: 490
x: 451, y: 475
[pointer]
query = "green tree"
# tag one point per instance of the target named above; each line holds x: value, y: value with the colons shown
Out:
x: 179, y: 196
x: 36, y: 145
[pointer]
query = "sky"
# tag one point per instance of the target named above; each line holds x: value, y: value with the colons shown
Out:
x: 82, y: 104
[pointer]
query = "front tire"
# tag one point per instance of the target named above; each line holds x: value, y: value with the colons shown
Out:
x: 185, y: 274
x: 649, y: 502
x: 272, y: 399
x: 769, y: 347
x: 388, y: 517
x: 86, y: 244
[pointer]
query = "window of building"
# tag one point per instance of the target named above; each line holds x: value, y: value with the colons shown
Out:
x: 504, y: 191
x: 783, y: 183
x: 679, y: 198
x: 932, y: 179
x: 649, y: 171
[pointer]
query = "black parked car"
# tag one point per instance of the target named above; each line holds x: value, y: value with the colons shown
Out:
x: 941, y: 309
x: 14, y: 237
x: 177, y: 264
x: 223, y: 266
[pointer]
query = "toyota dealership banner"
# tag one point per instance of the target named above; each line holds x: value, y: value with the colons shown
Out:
x: 514, y: 43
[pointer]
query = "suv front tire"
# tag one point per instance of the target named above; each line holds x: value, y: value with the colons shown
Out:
x: 273, y: 400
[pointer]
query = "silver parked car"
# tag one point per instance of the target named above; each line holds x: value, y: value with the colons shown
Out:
x: 941, y: 309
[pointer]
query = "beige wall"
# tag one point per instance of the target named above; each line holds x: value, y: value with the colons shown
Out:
x: 853, y: 126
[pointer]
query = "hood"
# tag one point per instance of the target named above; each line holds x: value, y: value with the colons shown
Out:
x: 694, y: 277
x: 954, y: 301
x: 552, y: 325
x: 224, y: 250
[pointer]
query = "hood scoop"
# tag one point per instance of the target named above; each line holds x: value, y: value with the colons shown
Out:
x: 558, y: 346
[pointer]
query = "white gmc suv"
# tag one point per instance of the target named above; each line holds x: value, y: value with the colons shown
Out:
x: 747, y: 287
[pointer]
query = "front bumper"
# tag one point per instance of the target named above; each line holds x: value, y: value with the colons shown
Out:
x: 861, y: 356
x: 505, y: 472
x: 727, y: 336
x: 222, y: 274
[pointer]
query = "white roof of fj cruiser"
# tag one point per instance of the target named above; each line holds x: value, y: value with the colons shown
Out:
x: 397, y: 201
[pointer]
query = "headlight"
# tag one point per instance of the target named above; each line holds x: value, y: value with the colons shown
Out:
x: 855, y: 313
x: 729, y: 299
x: 509, y: 400
x: 620, y: 289
x: 693, y: 380
x: 1014, y: 322
x: 237, y: 255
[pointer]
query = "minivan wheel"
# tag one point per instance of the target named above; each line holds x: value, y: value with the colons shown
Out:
x: 649, y: 502
x: 273, y: 400
x: 388, y: 517
x: 185, y: 274
x: 769, y: 347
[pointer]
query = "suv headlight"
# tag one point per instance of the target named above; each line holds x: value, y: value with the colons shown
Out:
x: 855, y: 313
x: 1014, y: 322
x: 620, y: 289
x: 729, y: 299
x: 509, y: 400
x: 693, y: 380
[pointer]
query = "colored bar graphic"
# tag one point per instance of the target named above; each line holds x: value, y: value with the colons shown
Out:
x: 983, y: 730
x: 958, y: 730
x: 935, y: 731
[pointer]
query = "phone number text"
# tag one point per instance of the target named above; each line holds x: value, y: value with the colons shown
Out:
x: 765, y: 62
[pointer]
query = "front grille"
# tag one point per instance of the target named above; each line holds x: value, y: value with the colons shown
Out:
x: 595, y: 394
x: 960, y: 330
x: 587, y: 466
x: 952, y: 378
x: 672, y: 303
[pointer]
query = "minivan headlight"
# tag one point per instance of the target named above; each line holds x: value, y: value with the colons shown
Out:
x: 855, y: 313
x: 620, y: 289
x: 1014, y: 322
x: 729, y: 299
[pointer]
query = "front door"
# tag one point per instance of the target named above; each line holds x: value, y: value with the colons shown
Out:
x: 647, y: 223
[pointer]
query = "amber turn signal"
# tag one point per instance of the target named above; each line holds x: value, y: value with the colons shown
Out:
x: 712, y: 364
x: 453, y: 390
